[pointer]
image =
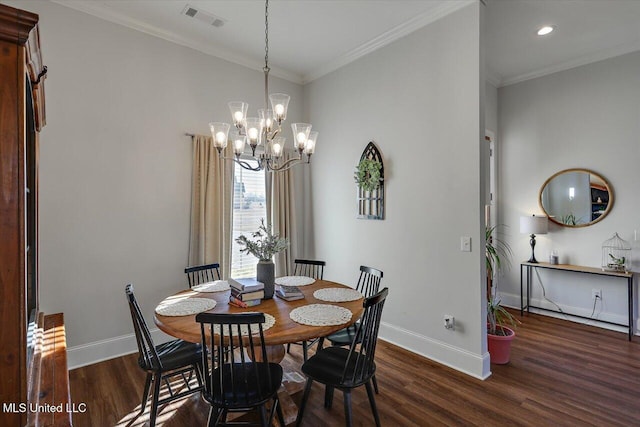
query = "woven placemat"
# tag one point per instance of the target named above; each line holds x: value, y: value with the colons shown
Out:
x: 215, y: 286
x: 269, y: 321
x: 337, y: 294
x: 174, y: 306
x: 295, y: 280
x: 320, y: 315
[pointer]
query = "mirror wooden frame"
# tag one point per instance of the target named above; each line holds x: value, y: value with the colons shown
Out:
x: 552, y: 218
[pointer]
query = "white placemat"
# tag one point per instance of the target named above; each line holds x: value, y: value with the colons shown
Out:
x: 320, y: 315
x: 215, y: 286
x: 269, y: 321
x: 295, y: 280
x: 175, y: 306
x: 337, y: 294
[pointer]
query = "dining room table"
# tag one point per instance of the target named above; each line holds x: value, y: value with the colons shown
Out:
x: 319, y: 296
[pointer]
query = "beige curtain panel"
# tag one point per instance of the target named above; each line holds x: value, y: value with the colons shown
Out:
x: 211, y: 202
x: 280, y: 188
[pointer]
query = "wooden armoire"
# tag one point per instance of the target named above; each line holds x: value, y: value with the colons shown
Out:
x: 22, y: 116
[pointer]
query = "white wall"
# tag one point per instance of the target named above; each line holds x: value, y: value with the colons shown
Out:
x: 586, y: 117
x: 419, y: 100
x: 116, y: 167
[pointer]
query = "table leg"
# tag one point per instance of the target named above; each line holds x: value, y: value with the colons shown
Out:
x: 521, y: 299
x: 276, y: 353
x: 630, y: 297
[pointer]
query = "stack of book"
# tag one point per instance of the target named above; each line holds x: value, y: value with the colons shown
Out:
x: 246, y: 292
x: 289, y: 293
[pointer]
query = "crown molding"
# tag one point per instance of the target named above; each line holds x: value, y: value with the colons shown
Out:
x: 600, y: 55
x: 95, y: 9
x: 492, y: 77
x: 415, y: 23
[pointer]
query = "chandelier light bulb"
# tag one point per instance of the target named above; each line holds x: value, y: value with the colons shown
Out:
x: 252, y: 133
x: 238, y: 144
x: 310, y: 145
x: 219, y: 133
x: 300, y: 134
x: 279, y: 109
x: 238, y: 112
x: 277, y: 146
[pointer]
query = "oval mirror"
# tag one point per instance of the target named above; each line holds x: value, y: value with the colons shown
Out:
x: 576, y: 198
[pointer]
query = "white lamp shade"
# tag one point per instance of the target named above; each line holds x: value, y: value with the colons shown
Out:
x: 534, y: 224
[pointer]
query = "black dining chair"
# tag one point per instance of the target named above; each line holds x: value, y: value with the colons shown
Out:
x: 348, y: 368
x: 241, y: 380
x: 164, y: 363
x: 368, y: 284
x: 202, y: 274
x: 309, y: 268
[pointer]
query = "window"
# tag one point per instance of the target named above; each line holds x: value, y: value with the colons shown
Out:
x: 249, y: 207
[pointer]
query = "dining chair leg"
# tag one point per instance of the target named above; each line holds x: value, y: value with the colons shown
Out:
x: 320, y: 343
x: 288, y: 348
x: 263, y: 416
x: 305, y: 396
x: 372, y: 401
x: 347, y: 407
x: 157, y: 382
x: 213, y: 417
x: 196, y: 367
x: 375, y: 383
x: 145, y: 393
x: 279, y: 412
x: 305, y: 351
x: 328, y: 396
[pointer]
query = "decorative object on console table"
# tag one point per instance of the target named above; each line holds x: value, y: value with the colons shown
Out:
x: 264, y: 246
x: 615, y: 254
x: 533, y: 225
x: 369, y: 176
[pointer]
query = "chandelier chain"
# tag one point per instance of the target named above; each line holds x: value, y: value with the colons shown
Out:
x: 266, y: 35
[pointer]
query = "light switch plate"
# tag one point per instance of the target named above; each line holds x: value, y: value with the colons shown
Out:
x: 465, y: 244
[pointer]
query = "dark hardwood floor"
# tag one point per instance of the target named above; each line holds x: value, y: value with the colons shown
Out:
x: 561, y: 374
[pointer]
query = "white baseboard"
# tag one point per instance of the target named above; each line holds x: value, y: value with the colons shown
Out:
x: 98, y: 351
x: 513, y: 301
x: 472, y: 364
x: 457, y: 358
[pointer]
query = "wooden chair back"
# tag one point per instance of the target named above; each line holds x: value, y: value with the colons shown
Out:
x: 309, y: 268
x: 202, y: 274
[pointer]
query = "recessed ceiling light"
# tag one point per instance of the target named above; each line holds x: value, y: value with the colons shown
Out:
x: 545, y: 30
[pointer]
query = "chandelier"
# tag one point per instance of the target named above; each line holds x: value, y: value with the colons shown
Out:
x: 265, y: 130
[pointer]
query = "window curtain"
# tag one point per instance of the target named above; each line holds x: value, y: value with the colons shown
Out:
x: 280, y: 189
x: 211, y: 202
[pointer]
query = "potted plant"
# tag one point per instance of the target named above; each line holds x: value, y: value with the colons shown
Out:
x: 264, y: 245
x: 500, y: 323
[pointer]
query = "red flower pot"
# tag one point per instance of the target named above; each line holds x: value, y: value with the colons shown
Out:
x: 500, y: 345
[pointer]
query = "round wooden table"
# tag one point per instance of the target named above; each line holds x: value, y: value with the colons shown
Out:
x: 284, y: 331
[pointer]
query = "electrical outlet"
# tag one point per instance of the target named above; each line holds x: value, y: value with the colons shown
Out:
x: 449, y: 322
x: 596, y: 293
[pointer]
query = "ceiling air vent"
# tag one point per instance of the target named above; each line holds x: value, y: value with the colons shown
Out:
x: 203, y: 16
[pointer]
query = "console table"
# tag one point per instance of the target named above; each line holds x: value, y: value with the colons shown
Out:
x: 529, y: 267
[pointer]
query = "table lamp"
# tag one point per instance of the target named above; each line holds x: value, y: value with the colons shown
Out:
x: 533, y: 225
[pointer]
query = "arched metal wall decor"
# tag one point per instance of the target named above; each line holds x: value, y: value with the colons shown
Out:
x: 371, y: 202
